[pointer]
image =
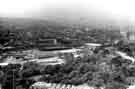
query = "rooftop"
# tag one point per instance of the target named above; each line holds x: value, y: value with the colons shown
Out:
x: 93, y: 44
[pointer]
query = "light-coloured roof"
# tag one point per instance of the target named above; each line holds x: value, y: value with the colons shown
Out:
x: 61, y: 86
x: 131, y: 87
x: 93, y: 44
x: 69, y: 50
x: 4, y: 64
x: 42, y: 84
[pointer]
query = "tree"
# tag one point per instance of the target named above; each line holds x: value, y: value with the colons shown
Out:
x: 87, y: 77
x: 1, y: 76
x: 115, y: 85
x: 130, y: 80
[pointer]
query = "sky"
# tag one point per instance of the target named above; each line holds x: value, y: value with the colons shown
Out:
x: 69, y: 9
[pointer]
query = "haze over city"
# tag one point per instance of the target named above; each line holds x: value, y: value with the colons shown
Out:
x: 75, y: 11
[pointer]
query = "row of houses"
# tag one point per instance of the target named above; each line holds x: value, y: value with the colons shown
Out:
x: 44, y: 85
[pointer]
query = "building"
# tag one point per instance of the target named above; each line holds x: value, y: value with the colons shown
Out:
x: 40, y: 85
x: 49, y: 45
x: 92, y: 46
x: 131, y: 87
x: 43, y: 85
x: 74, y: 52
x: 128, y: 35
x: 46, y: 43
x: 50, y: 61
x: 131, y: 36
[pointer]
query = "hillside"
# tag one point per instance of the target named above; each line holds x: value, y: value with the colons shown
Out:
x: 28, y: 22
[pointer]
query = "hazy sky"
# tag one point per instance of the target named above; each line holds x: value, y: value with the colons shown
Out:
x: 69, y: 9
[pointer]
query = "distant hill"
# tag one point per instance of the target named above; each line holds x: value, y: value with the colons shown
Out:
x: 27, y: 22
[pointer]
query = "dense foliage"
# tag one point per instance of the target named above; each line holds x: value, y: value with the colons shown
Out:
x: 115, y: 73
x: 93, y: 70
